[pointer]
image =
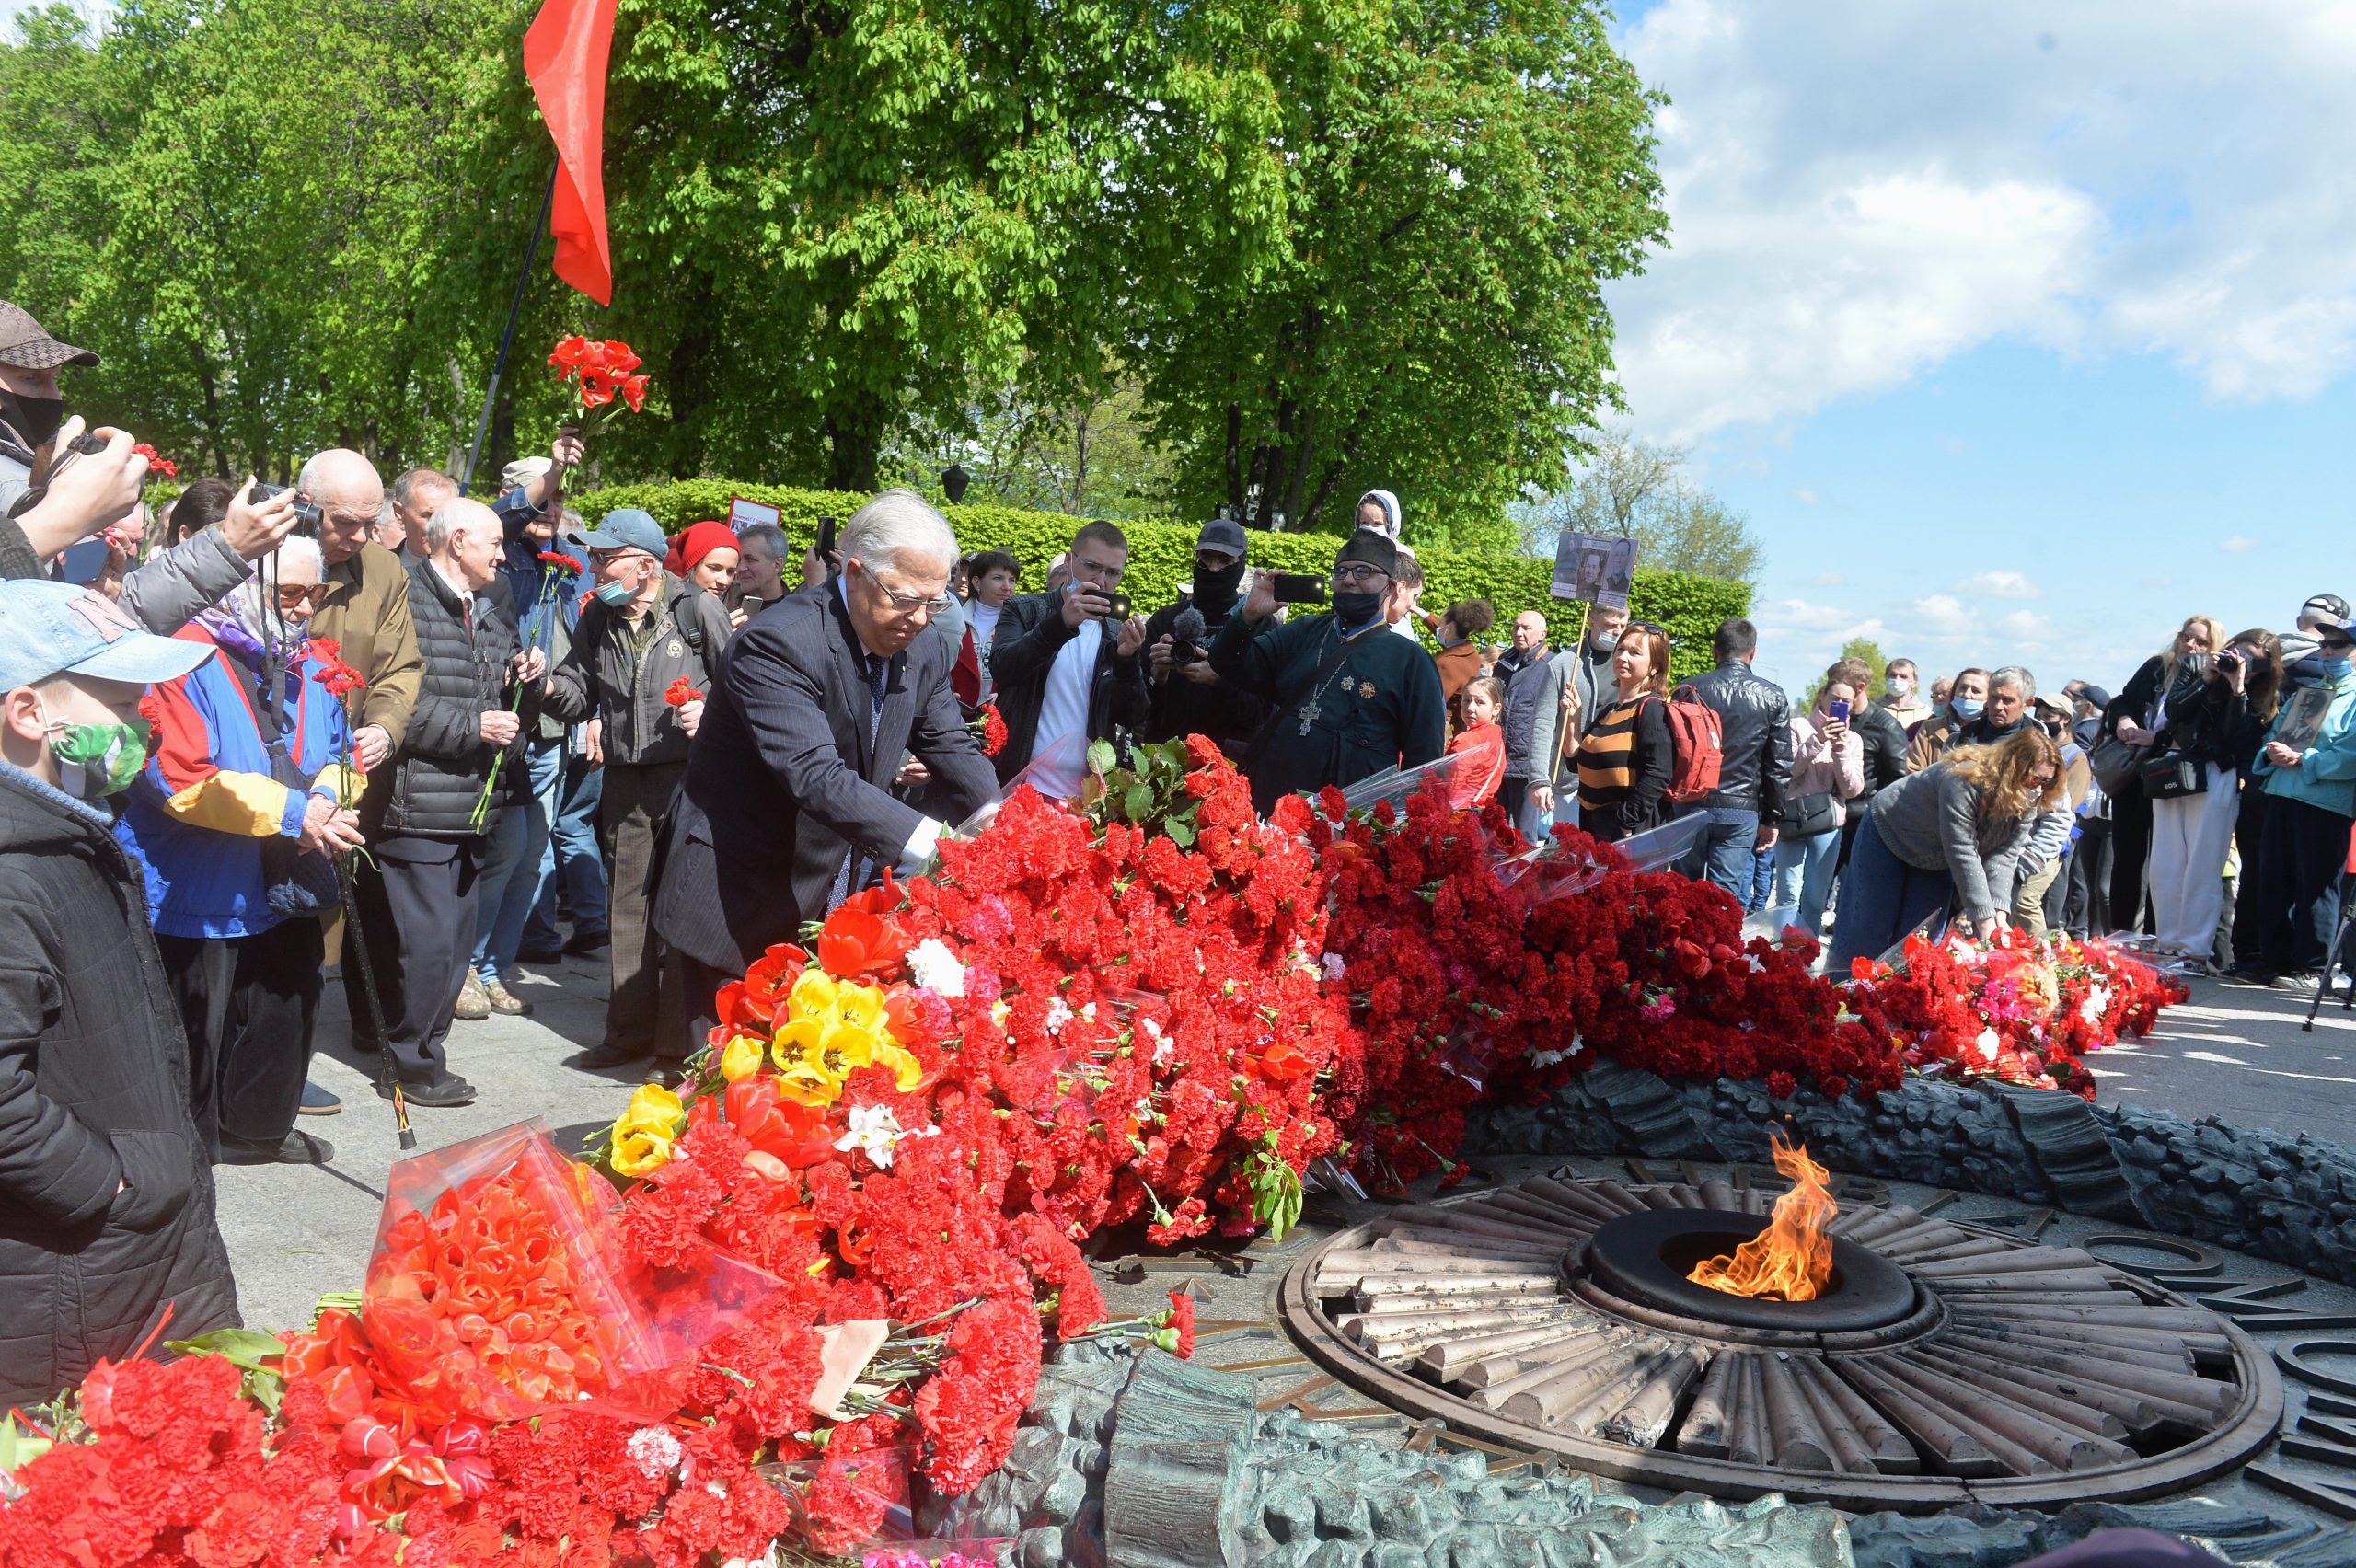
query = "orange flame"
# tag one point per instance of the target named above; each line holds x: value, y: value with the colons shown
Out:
x: 1791, y: 1258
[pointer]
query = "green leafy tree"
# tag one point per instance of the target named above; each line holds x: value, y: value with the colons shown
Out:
x: 239, y: 203
x: 1634, y: 487
x: 1459, y: 181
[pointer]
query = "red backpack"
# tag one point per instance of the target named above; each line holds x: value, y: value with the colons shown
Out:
x: 1699, y: 735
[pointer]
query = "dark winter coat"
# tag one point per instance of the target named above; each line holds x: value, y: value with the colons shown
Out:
x: 106, y: 1199
x: 444, y: 761
x: 614, y: 675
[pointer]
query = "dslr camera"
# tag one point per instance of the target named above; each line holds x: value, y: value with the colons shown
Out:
x: 306, y: 511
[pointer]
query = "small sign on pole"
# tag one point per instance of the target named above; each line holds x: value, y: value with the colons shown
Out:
x: 743, y: 514
x: 1595, y: 568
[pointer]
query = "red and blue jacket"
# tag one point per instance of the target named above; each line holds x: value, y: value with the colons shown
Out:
x: 196, y: 818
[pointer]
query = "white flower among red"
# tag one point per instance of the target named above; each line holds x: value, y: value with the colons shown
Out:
x: 934, y: 967
x: 876, y: 1132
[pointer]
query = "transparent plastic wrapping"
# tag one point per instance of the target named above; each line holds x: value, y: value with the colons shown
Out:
x: 498, y: 1289
x: 1666, y: 845
x: 1398, y: 785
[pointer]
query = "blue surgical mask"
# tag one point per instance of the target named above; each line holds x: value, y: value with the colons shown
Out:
x: 1966, y: 707
x: 2333, y: 667
x: 616, y: 595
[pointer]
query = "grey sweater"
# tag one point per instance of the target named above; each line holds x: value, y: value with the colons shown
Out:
x: 1931, y: 821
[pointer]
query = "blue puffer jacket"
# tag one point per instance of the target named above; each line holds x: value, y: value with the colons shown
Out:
x: 195, y: 820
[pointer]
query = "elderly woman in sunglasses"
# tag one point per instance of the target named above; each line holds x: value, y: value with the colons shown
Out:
x: 235, y: 820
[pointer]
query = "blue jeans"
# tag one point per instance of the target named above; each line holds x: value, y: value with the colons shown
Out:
x: 571, y: 858
x: 1725, y: 852
x: 511, y: 855
x: 1804, y: 875
x: 1881, y: 900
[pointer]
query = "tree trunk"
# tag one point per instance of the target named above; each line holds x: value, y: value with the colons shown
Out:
x: 854, y: 429
x: 1235, y: 458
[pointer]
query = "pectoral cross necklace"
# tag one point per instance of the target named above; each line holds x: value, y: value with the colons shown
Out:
x: 1309, y: 713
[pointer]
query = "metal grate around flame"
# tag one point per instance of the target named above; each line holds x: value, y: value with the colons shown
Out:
x: 2026, y: 1375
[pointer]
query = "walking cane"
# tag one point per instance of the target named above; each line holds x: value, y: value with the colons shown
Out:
x: 385, y: 1076
x: 2331, y: 953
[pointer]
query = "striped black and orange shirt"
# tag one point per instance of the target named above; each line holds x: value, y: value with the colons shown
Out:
x: 1625, y: 763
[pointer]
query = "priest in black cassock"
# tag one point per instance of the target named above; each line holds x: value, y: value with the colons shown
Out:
x: 1351, y: 700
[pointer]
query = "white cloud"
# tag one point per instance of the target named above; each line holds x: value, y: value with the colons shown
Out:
x: 2001, y: 585
x: 1858, y: 191
x: 1944, y: 615
x: 2237, y: 543
x: 2027, y: 626
x: 1828, y: 579
x: 1806, y: 496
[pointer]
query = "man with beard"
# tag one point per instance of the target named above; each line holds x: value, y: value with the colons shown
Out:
x: 1352, y: 702
x: 1189, y: 698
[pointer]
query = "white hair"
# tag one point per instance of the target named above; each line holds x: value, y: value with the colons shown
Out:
x: 458, y: 512
x: 896, y: 525
x: 259, y: 613
x: 2020, y: 680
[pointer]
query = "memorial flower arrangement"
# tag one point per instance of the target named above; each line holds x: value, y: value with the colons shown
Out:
x: 833, y: 1254
x: 2011, y: 1005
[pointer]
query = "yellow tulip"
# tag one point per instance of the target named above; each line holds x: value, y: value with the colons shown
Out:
x: 860, y: 1006
x: 796, y: 1039
x: 905, y: 1068
x: 638, y: 1153
x: 813, y: 992
x: 741, y: 1058
x: 653, y: 1109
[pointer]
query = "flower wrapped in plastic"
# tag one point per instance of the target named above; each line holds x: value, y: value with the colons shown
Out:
x: 497, y: 1289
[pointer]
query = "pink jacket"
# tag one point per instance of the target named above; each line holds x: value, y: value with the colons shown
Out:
x: 1817, y: 769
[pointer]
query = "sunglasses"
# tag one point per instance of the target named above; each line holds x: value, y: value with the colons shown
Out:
x: 295, y: 595
x: 1647, y: 626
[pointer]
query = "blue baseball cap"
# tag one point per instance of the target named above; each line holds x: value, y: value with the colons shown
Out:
x: 628, y: 528
x: 58, y: 629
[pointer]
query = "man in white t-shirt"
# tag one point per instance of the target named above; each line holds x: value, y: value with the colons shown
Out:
x: 1066, y: 663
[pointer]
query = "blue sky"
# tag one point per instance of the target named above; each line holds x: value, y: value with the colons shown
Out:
x: 2020, y: 332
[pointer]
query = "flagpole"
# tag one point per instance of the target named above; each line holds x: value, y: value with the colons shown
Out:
x: 507, y: 339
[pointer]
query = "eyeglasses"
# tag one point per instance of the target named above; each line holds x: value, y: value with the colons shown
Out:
x: 1359, y: 571
x: 912, y: 604
x: 295, y: 595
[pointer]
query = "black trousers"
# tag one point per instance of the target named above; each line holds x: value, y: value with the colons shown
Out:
x: 2086, y: 910
x: 2250, y: 837
x: 2305, y: 849
x: 2131, y: 846
x: 417, y: 909
x: 203, y: 973
x: 700, y: 983
x: 274, y: 1008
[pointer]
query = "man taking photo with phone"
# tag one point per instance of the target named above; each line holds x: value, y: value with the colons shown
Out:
x: 1066, y: 663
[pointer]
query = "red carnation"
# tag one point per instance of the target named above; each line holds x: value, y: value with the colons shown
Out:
x: 680, y: 693
x: 1182, y: 1320
x: 557, y: 558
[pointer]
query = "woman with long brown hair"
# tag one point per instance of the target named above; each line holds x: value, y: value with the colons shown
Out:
x: 2138, y: 715
x: 1627, y: 759
x: 1949, y: 835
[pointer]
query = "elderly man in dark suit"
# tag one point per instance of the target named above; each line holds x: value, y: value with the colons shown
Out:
x: 787, y: 804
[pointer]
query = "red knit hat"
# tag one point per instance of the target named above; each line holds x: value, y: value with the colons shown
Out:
x: 700, y: 540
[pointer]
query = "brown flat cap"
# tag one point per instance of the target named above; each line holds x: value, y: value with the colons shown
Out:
x: 26, y: 346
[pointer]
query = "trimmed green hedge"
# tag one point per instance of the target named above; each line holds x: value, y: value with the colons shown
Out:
x: 1162, y: 557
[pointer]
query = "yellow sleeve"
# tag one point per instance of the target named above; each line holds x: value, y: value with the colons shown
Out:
x: 343, y: 784
x: 249, y: 804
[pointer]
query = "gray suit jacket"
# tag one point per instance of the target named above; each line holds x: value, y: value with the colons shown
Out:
x: 787, y: 775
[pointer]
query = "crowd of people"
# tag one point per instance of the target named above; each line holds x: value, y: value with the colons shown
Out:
x: 552, y: 736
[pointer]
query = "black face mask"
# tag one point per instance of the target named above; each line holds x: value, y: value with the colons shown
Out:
x: 34, y: 419
x: 1216, y: 592
x: 1354, y: 609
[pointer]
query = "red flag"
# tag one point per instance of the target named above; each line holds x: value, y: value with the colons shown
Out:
x: 564, y: 56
